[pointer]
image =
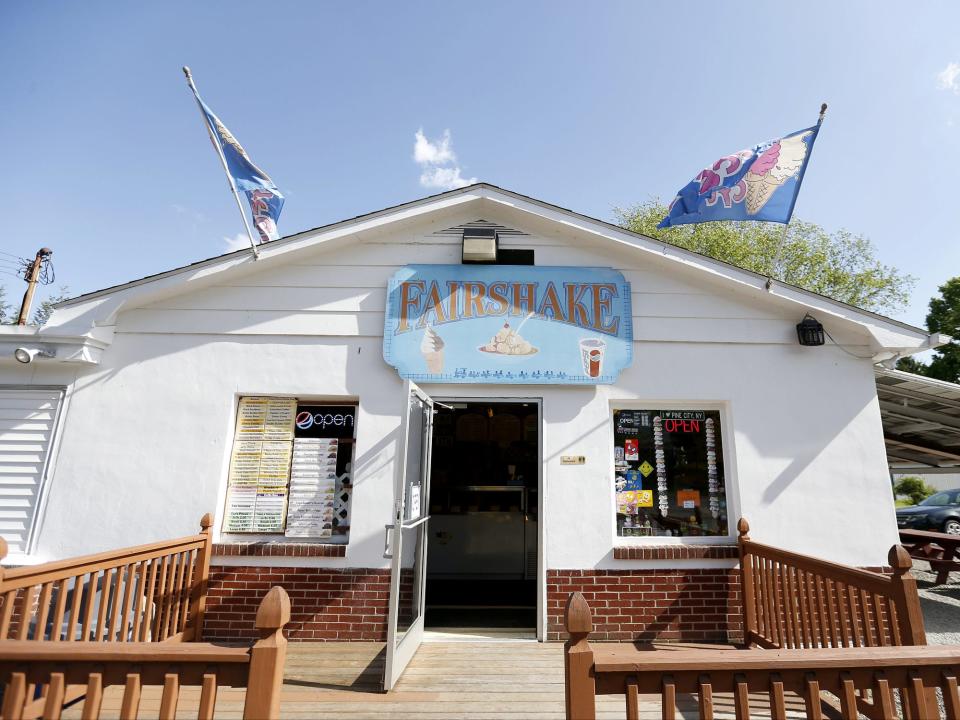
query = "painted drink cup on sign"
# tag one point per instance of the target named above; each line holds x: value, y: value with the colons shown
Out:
x: 591, y: 354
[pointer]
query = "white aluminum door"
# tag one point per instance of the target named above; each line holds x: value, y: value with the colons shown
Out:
x: 408, y: 541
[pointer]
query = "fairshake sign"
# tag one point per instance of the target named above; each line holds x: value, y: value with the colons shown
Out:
x: 508, y: 324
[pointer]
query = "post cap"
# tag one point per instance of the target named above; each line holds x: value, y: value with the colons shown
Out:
x: 899, y: 560
x: 4, y: 548
x: 577, y: 617
x: 743, y: 527
x: 274, y: 610
x: 206, y: 522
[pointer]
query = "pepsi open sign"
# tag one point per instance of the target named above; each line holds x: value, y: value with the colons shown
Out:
x: 508, y: 324
x: 325, y: 421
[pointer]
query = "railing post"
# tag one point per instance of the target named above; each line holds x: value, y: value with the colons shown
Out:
x: 905, y: 598
x: 747, y: 594
x: 267, y: 657
x: 198, y: 593
x: 580, y: 683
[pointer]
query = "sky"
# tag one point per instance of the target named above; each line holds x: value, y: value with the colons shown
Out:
x: 353, y: 107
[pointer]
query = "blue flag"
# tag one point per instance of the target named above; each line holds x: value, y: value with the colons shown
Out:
x: 265, y: 199
x: 760, y: 183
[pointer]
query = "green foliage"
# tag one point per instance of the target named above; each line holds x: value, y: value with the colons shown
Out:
x: 42, y: 313
x: 911, y: 365
x: 840, y: 265
x: 943, y: 317
x: 914, y: 488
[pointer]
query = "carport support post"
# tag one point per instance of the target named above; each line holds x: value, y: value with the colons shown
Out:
x: 580, y: 683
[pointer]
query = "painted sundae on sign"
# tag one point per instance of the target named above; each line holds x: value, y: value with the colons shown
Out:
x: 508, y: 324
x: 507, y: 341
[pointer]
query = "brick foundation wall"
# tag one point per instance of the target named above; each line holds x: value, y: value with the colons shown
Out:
x: 326, y: 603
x: 692, y: 605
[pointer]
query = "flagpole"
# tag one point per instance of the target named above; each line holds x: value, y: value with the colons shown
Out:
x: 223, y: 160
x: 786, y: 225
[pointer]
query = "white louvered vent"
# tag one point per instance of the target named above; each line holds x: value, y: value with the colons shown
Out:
x: 27, y: 423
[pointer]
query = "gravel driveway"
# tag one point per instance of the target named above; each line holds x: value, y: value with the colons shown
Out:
x: 941, y: 605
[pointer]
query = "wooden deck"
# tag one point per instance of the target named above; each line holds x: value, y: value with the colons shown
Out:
x: 463, y: 680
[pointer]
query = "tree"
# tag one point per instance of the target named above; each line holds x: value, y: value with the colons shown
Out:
x: 914, y: 488
x: 840, y: 265
x: 943, y: 317
x: 42, y: 313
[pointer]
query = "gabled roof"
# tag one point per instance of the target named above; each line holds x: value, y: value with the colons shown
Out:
x: 81, y: 314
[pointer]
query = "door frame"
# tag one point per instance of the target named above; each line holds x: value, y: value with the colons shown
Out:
x: 541, y: 494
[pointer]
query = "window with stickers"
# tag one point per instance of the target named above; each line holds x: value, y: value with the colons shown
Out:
x: 668, y: 473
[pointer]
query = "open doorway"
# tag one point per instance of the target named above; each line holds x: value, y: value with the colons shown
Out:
x: 484, y: 497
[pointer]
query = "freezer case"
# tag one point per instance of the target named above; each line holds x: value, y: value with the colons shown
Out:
x: 485, y: 533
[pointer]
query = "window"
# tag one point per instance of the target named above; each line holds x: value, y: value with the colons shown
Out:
x: 668, y: 473
x: 941, y: 499
x: 291, y: 469
x: 28, y: 421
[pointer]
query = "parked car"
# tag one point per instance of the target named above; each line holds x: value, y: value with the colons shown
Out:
x: 940, y: 512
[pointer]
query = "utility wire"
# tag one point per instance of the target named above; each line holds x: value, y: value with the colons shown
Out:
x: 859, y: 357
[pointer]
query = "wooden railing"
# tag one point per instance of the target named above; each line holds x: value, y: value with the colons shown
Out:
x: 148, y: 593
x: 794, y: 601
x: 812, y: 683
x: 94, y: 668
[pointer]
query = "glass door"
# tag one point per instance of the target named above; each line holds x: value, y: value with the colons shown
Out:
x: 408, y: 534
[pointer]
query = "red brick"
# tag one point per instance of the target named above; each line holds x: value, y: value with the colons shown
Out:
x: 701, y: 605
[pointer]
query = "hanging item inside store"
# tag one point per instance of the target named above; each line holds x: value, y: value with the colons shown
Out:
x: 508, y: 324
x: 668, y: 473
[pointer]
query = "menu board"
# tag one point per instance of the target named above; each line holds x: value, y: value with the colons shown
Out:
x: 313, y: 480
x: 260, y: 465
x: 668, y: 467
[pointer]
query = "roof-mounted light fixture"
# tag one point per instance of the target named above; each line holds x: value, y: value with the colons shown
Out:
x: 480, y: 245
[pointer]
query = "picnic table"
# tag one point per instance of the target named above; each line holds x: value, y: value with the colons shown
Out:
x: 937, y: 548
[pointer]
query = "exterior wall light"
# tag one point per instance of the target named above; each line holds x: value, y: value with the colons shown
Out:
x: 810, y: 331
x: 26, y: 355
x: 480, y: 245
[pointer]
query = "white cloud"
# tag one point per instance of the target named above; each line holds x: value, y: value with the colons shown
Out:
x: 949, y: 78
x: 240, y: 241
x: 438, y: 162
x: 433, y: 153
x: 445, y: 178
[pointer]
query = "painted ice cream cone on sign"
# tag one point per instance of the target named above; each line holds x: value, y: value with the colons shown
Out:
x: 777, y: 164
x: 432, y: 349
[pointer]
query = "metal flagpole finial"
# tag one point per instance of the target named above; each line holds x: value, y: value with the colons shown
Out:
x: 823, y: 109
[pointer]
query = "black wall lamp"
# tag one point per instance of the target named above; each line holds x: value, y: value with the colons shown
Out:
x: 810, y: 331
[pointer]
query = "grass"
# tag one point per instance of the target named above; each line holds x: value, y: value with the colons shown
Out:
x: 902, y: 503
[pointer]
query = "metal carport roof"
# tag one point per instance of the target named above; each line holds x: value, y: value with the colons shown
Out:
x: 921, y: 422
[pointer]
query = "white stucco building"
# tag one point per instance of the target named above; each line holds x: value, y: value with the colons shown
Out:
x: 126, y: 434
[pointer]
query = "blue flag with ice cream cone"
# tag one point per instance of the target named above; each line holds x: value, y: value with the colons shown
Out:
x: 759, y: 183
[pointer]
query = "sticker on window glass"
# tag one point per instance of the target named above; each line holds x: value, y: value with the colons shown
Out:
x: 688, y: 499
x: 631, y: 449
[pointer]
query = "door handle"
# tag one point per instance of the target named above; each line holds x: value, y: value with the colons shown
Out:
x: 413, y: 524
x: 387, y: 545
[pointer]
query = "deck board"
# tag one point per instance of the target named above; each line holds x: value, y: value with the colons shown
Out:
x: 455, y: 681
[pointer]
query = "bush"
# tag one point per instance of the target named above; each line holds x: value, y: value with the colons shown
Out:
x: 914, y: 488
